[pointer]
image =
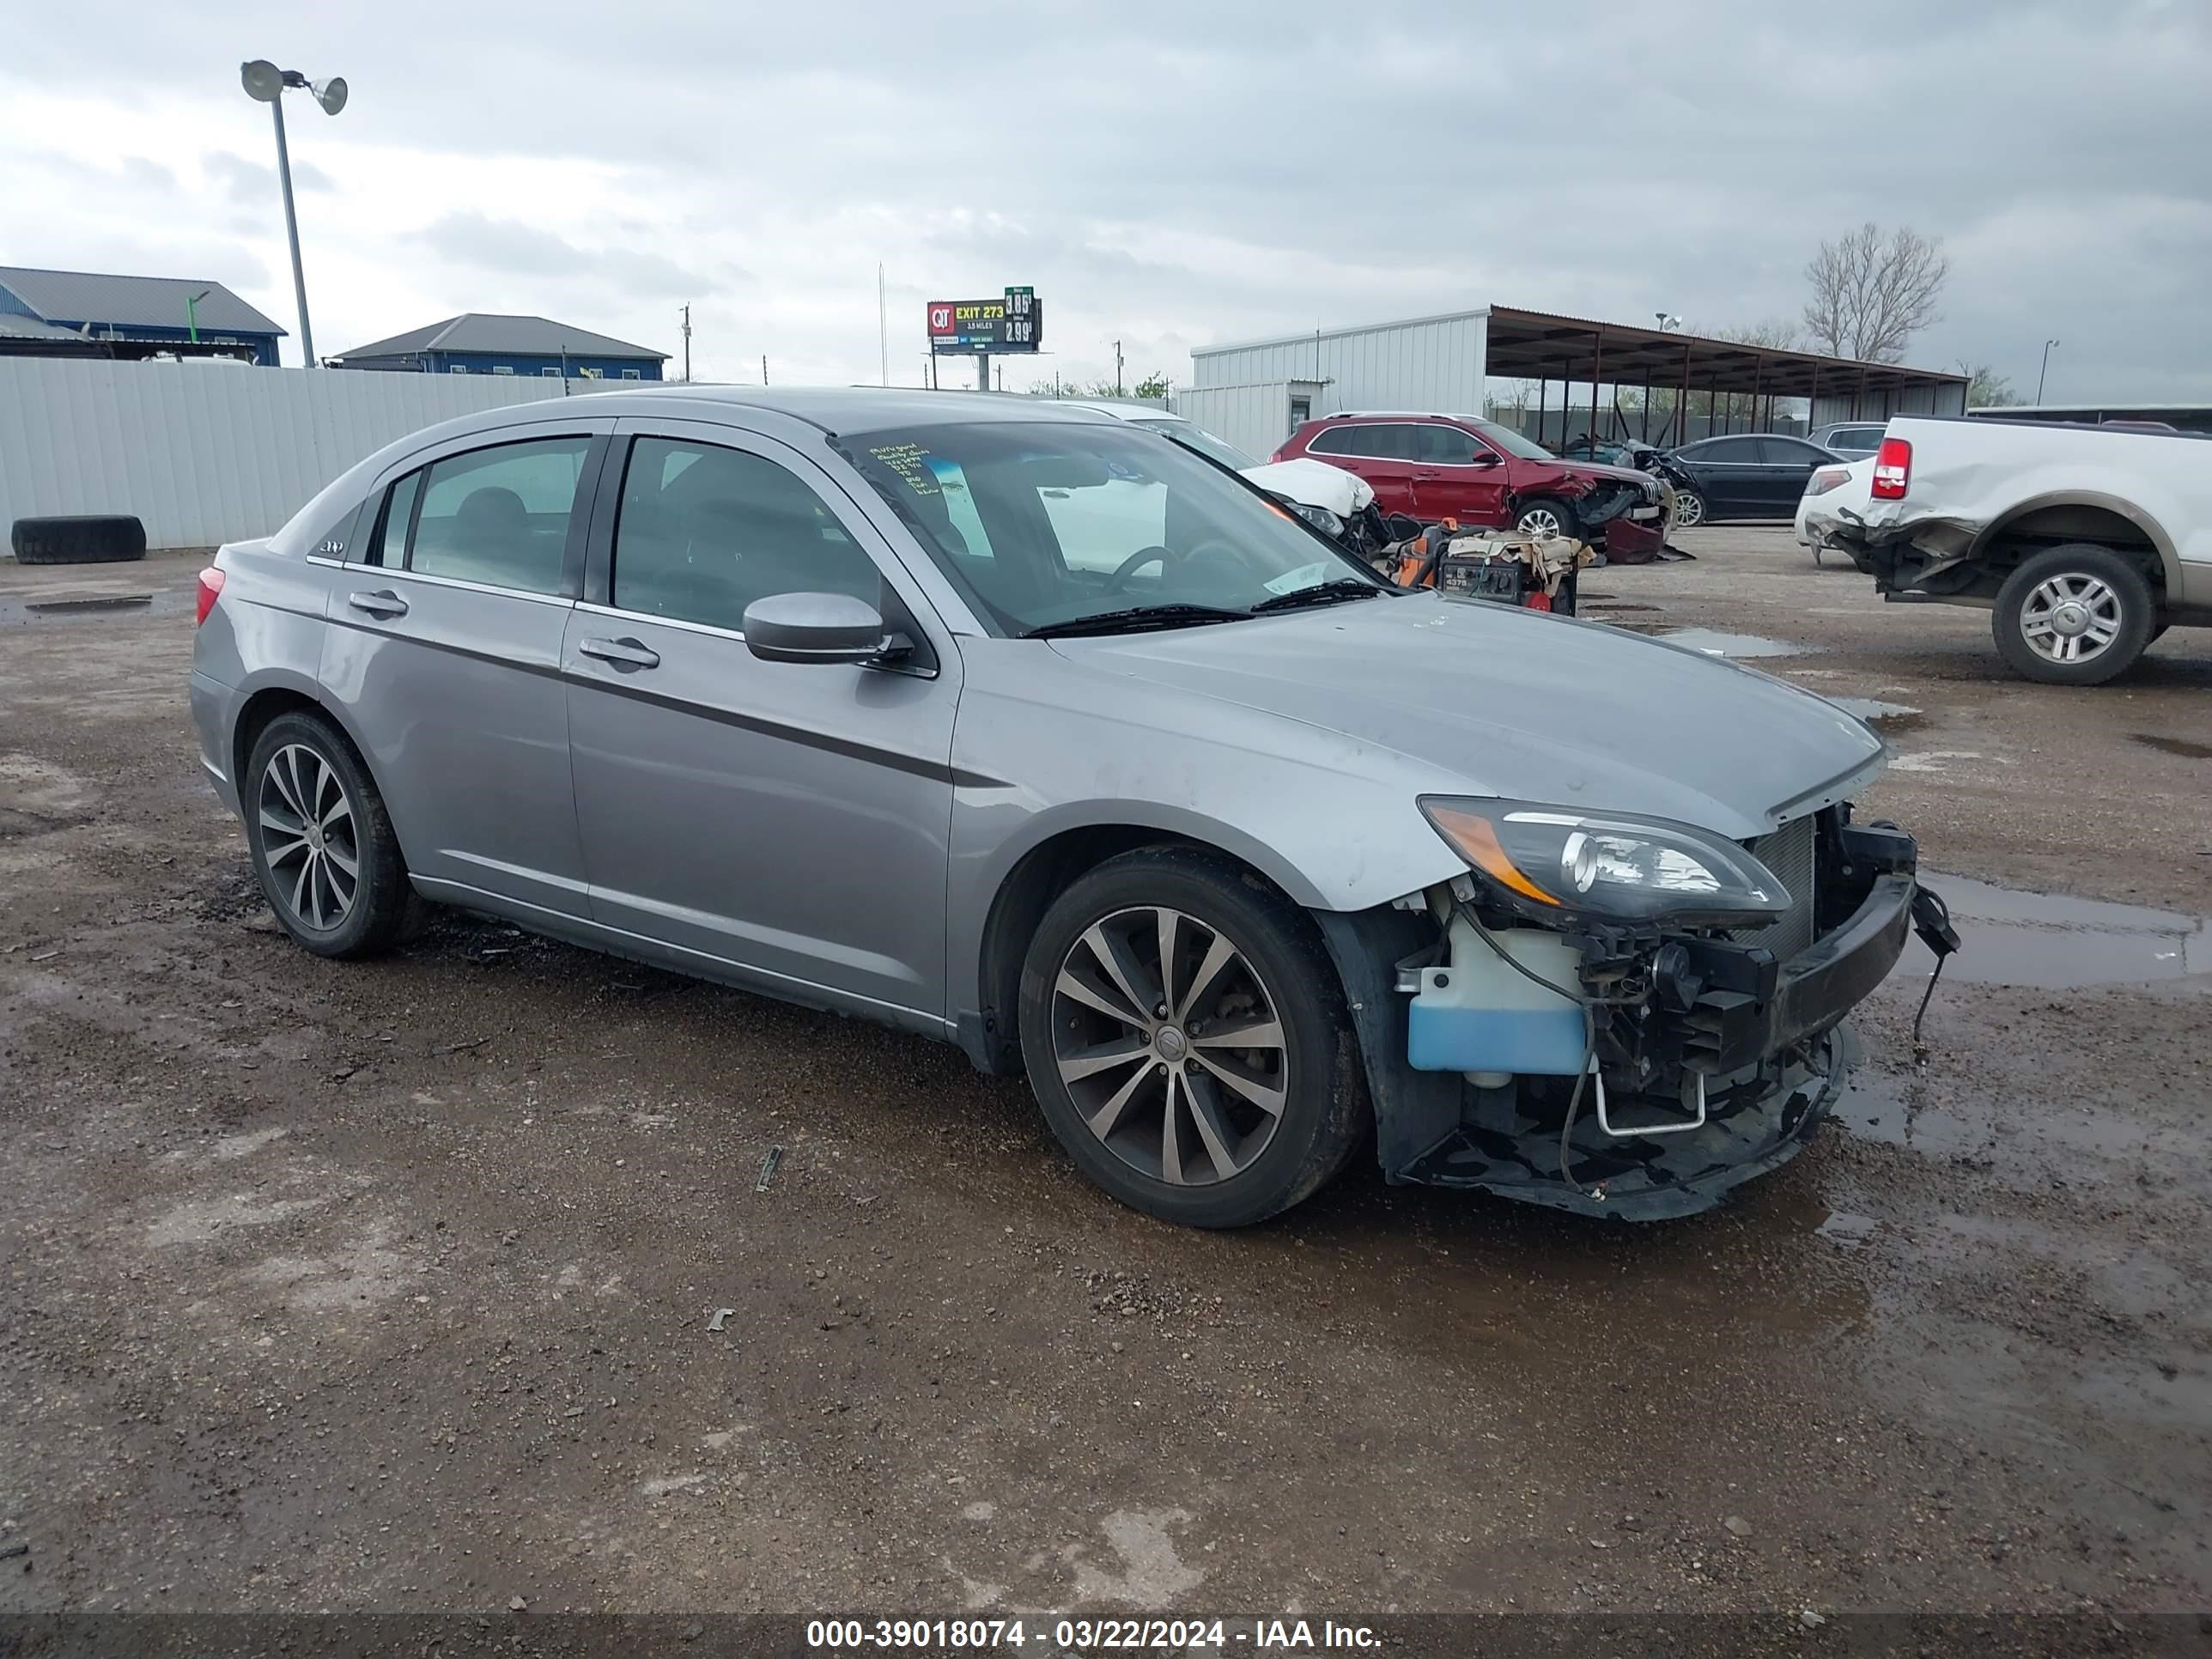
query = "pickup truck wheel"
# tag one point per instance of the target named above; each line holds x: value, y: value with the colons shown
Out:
x: 1546, y: 521
x: 2076, y: 615
x: 1689, y: 510
x: 1185, y: 1032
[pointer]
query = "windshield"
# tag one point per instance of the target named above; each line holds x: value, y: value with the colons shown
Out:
x: 1510, y: 441
x: 1191, y: 435
x: 1041, y: 523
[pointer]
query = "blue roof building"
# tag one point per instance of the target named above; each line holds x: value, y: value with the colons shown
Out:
x: 130, y: 316
x: 486, y: 342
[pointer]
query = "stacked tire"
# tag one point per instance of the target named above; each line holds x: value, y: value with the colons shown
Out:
x: 83, y: 539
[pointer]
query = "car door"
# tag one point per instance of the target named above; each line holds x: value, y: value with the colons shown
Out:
x: 1382, y: 453
x: 1457, y: 475
x: 1785, y: 465
x: 785, y: 820
x: 443, y: 654
x: 1727, y: 472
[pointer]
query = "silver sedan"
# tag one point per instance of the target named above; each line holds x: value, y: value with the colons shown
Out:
x: 1032, y: 731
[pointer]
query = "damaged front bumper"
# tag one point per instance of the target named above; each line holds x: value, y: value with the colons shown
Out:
x: 1760, y: 1051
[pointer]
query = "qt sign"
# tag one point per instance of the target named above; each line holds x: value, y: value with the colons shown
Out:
x: 1014, y: 322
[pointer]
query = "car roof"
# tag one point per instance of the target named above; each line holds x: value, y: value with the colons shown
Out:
x: 1119, y: 411
x: 1398, y: 414
x: 833, y: 409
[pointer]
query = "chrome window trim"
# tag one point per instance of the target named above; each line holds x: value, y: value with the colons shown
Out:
x: 461, y: 584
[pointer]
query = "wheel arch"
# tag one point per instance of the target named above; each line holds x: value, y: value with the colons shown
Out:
x: 2085, y: 515
x: 282, y: 695
x: 989, y: 1030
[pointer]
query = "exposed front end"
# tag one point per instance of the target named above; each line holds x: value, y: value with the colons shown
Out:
x: 1637, y: 1052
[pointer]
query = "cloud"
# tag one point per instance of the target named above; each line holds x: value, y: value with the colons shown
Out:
x: 1162, y: 174
x: 507, y: 248
x: 253, y: 185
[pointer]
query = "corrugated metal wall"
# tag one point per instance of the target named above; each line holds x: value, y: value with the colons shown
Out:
x: 1254, y: 418
x: 1947, y: 399
x: 206, y: 454
x: 1426, y: 363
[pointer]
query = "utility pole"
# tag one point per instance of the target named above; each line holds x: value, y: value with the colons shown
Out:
x: 687, y: 345
x: 882, y: 327
x: 982, y: 372
x: 1002, y: 377
x: 763, y: 368
x: 1117, y: 369
x: 2044, y: 370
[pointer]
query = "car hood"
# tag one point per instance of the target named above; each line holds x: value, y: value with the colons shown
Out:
x: 1499, y: 701
x: 1602, y: 470
x: 1315, y: 483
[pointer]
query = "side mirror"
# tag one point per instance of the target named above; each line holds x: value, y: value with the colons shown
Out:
x: 1484, y: 457
x: 833, y: 627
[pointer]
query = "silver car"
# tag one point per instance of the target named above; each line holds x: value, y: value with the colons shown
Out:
x: 1026, y: 729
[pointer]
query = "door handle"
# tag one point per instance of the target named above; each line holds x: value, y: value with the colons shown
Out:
x: 622, y: 653
x: 385, y: 603
x: 1419, y: 476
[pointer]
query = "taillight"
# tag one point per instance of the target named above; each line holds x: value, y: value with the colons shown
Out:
x: 210, y: 588
x: 1893, y: 470
x: 1826, y: 479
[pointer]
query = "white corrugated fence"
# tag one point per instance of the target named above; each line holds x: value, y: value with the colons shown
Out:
x: 206, y: 454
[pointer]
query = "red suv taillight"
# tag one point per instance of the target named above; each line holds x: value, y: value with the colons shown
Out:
x: 1893, y: 470
x: 210, y: 589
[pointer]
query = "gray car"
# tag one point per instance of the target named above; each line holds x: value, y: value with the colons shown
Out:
x: 1029, y: 730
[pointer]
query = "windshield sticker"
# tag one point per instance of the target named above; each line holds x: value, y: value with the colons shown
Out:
x: 911, y: 464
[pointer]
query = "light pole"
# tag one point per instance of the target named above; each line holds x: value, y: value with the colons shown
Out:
x: 265, y: 83
x: 2044, y: 370
x: 192, y: 313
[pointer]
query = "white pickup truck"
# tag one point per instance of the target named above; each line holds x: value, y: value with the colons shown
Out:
x: 2087, y: 542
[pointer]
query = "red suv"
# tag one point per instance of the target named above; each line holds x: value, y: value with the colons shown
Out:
x: 1433, y: 467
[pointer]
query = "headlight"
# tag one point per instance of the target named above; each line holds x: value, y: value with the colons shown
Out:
x: 1554, y: 860
x: 1320, y: 517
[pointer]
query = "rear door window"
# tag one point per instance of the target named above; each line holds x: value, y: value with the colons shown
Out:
x: 500, y: 516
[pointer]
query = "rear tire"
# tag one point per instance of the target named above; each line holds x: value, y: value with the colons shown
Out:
x: 1689, y: 510
x: 82, y: 539
x: 2075, y: 615
x: 1163, y: 1112
x: 322, y: 843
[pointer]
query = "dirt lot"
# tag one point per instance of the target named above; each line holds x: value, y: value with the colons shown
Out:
x: 389, y: 1285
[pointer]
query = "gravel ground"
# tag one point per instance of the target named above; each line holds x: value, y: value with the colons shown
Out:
x: 393, y: 1285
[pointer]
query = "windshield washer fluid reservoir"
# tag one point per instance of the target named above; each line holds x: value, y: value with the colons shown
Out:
x: 1477, y: 1014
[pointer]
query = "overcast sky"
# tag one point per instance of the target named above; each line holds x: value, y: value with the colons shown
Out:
x: 1165, y: 174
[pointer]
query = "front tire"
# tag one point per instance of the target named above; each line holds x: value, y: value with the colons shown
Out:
x: 1138, y: 1068
x: 322, y: 843
x: 2075, y: 615
x: 1689, y: 510
x: 1548, y: 521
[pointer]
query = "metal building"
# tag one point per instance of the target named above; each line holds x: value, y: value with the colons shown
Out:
x: 91, y: 313
x: 1254, y: 392
x: 488, y: 342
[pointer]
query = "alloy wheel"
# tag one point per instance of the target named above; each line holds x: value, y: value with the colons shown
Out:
x: 1541, y: 524
x: 310, y: 840
x: 1171, y: 1046
x: 1689, y: 510
x: 2070, y: 618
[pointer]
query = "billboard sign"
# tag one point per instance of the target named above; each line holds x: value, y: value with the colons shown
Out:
x: 1014, y: 323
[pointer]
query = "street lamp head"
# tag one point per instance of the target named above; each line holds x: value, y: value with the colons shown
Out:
x: 331, y: 94
x: 263, y: 81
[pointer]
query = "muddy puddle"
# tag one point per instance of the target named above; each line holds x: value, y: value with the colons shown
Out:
x: 20, y: 613
x: 2181, y: 746
x: 2047, y: 941
x: 1891, y: 1110
x: 1716, y: 643
x: 1889, y: 718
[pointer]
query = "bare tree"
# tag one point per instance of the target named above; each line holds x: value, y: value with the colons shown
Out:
x: 1985, y: 387
x: 1871, y: 293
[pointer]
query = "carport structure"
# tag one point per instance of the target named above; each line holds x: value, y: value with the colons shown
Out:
x: 1583, y: 356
